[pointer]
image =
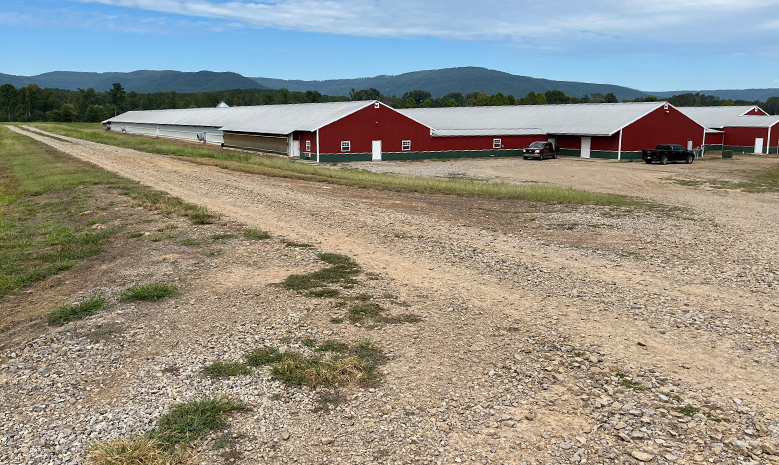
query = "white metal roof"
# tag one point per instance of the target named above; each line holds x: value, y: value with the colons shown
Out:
x: 596, y: 119
x: 753, y: 121
x: 719, y: 117
x: 263, y: 119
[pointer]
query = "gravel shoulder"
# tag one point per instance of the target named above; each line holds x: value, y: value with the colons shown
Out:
x: 533, y: 318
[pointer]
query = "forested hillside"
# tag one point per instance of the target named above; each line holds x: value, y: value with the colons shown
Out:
x: 33, y: 103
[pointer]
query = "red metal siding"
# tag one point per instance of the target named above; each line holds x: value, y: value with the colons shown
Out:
x: 306, y: 136
x: 745, y: 137
x: 756, y: 111
x: 661, y: 127
x: 440, y: 144
x: 392, y: 128
x: 605, y: 143
x: 369, y: 124
x: 714, y: 138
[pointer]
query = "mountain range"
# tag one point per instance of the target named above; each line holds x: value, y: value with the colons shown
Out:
x: 438, y: 82
x: 143, y: 81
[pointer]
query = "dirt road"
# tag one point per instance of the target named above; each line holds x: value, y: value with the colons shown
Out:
x: 684, y: 298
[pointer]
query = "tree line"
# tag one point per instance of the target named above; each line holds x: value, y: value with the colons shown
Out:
x: 33, y: 103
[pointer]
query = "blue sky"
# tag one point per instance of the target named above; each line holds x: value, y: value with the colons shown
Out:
x: 648, y: 45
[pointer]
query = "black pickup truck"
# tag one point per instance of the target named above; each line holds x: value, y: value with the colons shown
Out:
x: 668, y: 152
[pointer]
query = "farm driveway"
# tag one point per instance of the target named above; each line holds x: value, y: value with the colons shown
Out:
x: 687, y: 295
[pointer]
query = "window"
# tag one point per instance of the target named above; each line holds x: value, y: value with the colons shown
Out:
x: 346, y: 146
x: 308, y: 146
x: 406, y: 145
x: 496, y: 143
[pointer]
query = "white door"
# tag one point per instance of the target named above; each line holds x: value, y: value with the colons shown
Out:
x: 689, y: 145
x: 553, y: 141
x: 759, y: 145
x: 586, y: 142
x: 376, y: 150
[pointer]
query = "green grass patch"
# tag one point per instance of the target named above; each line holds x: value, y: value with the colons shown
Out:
x: 332, y: 346
x: 275, y: 166
x: 220, y: 369
x: 335, y: 363
x: 688, y: 410
x: 255, y: 234
x: 336, y: 320
x: 630, y: 384
x: 152, y: 292
x: 192, y: 420
x: 136, y: 235
x: 77, y: 311
x: 357, y: 313
x: 342, y: 271
x: 214, y: 253
x: 325, y: 292
x: 189, y: 242
x: 219, y: 237
x: 300, y: 245
x: 263, y: 356
x: 42, y: 192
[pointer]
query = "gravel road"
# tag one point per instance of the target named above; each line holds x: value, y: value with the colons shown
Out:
x: 574, y: 341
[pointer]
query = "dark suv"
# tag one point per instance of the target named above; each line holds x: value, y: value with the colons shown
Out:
x: 540, y: 150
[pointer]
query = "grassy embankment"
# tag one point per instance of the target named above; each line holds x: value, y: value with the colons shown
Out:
x: 281, y: 167
x: 45, y: 222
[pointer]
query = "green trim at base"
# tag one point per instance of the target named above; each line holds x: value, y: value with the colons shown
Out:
x: 607, y: 154
x: 342, y: 157
x: 773, y: 149
x: 748, y: 150
x: 713, y: 147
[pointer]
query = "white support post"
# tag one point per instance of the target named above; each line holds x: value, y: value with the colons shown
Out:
x: 317, y: 145
x: 768, y: 142
x: 619, y: 150
x: 703, y: 144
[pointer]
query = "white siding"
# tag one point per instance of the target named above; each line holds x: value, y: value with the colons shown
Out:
x: 189, y: 133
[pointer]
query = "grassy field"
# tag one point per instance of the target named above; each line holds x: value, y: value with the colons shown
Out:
x: 40, y: 236
x: 282, y: 167
x: 45, y: 224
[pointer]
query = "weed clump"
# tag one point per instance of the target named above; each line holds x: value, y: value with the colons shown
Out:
x: 219, y: 369
x: 77, y: 311
x: 357, y: 313
x: 153, y: 292
x: 301, y: 245
x: 140, y: 450
x: 262, y: 357
x: 342, y: 270
x: 336, y: 364
x: 332, y: 346
x: 324, y: 292
x: 688, y: 410
x: 328, y: 371
x: 192, y: 420
x: 255, y: 234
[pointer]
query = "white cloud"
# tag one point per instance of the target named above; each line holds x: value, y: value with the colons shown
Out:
x: 567, y: 26
x: 463, y: 20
